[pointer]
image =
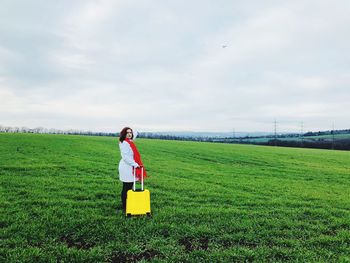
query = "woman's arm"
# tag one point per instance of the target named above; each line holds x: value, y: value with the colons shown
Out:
x: 125, y: 150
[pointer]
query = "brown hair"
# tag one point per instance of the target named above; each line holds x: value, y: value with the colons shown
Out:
x: 122, y: 135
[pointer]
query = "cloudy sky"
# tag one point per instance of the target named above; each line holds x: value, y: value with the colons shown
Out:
x: 175, y: 65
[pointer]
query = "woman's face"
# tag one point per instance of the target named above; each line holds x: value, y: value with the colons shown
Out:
x: 129, y: 134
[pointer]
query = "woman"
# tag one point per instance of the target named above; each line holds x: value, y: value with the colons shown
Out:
x: 131, y: 160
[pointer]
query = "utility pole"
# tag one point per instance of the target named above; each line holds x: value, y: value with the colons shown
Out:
x: 333, y: 136
x: 233, y: 133
x: 275, y: 122
x: 302, y: 134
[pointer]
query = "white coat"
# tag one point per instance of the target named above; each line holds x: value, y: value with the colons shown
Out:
x: 127, y: 162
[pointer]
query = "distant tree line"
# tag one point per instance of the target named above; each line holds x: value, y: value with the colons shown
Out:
x: 339, y: 144
x: 319, y: 133
x: 299, y: 141
x: 53, y: 131
x: 151, y: 135
x: 320, y: 143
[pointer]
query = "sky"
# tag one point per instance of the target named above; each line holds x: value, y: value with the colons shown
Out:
x: 175, y: 65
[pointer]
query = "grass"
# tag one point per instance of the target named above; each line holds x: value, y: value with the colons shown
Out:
x: 210, y: 202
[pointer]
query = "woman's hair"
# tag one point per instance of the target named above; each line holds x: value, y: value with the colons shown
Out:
x: 122, y: 134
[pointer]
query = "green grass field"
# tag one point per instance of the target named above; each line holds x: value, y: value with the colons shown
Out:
x: 210, y: 202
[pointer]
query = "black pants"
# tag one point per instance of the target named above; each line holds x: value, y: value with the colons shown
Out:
x: 126, y: 188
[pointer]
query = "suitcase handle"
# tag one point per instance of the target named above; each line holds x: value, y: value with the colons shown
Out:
x: 134, y: 186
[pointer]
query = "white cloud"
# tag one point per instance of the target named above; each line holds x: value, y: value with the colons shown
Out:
x: 71, y: 61
x: 9, y: 101
x: 80, y: 27
x: 161, y: 66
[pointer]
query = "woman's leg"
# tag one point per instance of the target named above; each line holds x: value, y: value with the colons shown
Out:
x: 126, y: 188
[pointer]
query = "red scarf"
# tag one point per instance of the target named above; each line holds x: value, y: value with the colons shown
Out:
x: 137, y: 159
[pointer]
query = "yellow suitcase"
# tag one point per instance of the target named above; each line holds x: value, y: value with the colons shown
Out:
x: 138, y: 201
